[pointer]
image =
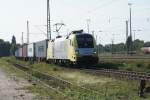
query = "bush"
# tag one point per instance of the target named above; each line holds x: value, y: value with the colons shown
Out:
x: 55, y: 69
x: 129, y: 69
x: 148, y: 66
x: 140, y: 65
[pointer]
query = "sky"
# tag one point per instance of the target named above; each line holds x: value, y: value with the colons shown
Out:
x: 107, y: 18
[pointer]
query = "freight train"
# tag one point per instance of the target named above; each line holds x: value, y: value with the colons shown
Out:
x: 76, y: 48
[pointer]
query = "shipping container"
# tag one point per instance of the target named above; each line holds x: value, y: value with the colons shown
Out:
x: 146, y: 50
x: 41, y: 49
x: 24, y: 50
x: 17, y: 53
x: 20, y: 51
x: 31, y: 50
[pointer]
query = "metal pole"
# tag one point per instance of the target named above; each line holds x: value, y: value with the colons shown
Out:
x: 126, y: 30
x: 127, y: 37
x: 130, y: 22
x: 93, y: 34
x: 88, y: 26
x: 130, y: 25
x: 27, y: 32
x: 48, y: 21
x: 22, y: 38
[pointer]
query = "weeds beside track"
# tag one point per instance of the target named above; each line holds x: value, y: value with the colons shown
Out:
x: 59, y: 85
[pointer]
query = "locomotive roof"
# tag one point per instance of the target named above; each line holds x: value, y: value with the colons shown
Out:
x: 70, y: 36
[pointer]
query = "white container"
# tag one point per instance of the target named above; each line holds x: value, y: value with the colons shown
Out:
x: 31, y: 50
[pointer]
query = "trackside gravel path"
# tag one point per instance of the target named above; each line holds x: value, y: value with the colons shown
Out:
x: 11, y: 88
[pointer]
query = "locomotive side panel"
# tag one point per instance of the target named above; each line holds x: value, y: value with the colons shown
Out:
x: 61, y: 49
x: 72, y: 48
x: 50, y: 50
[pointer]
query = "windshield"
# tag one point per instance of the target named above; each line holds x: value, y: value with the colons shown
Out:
x: 85, y: 41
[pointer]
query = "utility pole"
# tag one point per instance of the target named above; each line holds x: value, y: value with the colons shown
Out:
x: 93, y: 34
x: 88, y: 25
x: 127, y: 30
x: 22, y: 39
x: 27, y: 32
x: 58, y: 27
x: 127, y: 37
x: 130, y: 4
x: 96, y: 39
x: 48, y: 21
x: 113, y: 38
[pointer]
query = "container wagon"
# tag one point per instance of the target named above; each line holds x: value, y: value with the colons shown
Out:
x: 31, y: 51
x: 41, y: 50
x: 17, y: 53
x: 20, y: 52
x: 24, y: 52
x: 145, y: 50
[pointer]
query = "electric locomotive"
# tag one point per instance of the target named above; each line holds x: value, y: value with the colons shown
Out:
x: 76, y: 48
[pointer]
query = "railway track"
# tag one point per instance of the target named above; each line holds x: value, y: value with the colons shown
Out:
x: 140, y: 77
x: 60, y: 84
x: 124, y: 57
x: 55, y: 83
x: 132, y: 75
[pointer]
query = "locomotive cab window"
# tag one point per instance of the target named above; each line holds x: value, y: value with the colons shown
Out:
x: 85, y: 41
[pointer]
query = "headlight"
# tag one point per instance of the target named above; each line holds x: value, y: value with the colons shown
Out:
x: 77, y: 52
x: 94, y: 51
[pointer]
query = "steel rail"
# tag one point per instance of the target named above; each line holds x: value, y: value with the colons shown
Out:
x: 49, y: 79
x: 120, y: 73
x: 123, y: 57
x: 35, y: 79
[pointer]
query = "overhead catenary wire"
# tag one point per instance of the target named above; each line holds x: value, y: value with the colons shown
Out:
x: 102, y: 6
x: 43, y: 32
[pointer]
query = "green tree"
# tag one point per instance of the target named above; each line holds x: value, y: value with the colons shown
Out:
x: 1, y: 41
x: 119, y: 47
x: 138, y: 44
x: 129, y: 44
x: 4, y: 48
x: 13, y: 45
x: 147, y: 44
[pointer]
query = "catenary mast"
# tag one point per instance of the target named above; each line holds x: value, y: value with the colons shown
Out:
x: 48, y: 21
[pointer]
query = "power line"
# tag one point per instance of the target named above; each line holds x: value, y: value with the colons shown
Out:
x: 104, y: 5
x: 37, y: 27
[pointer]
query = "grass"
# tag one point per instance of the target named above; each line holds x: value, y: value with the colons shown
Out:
x: 139, y: 65
x: 40, y: 91
x: 108, y: 88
